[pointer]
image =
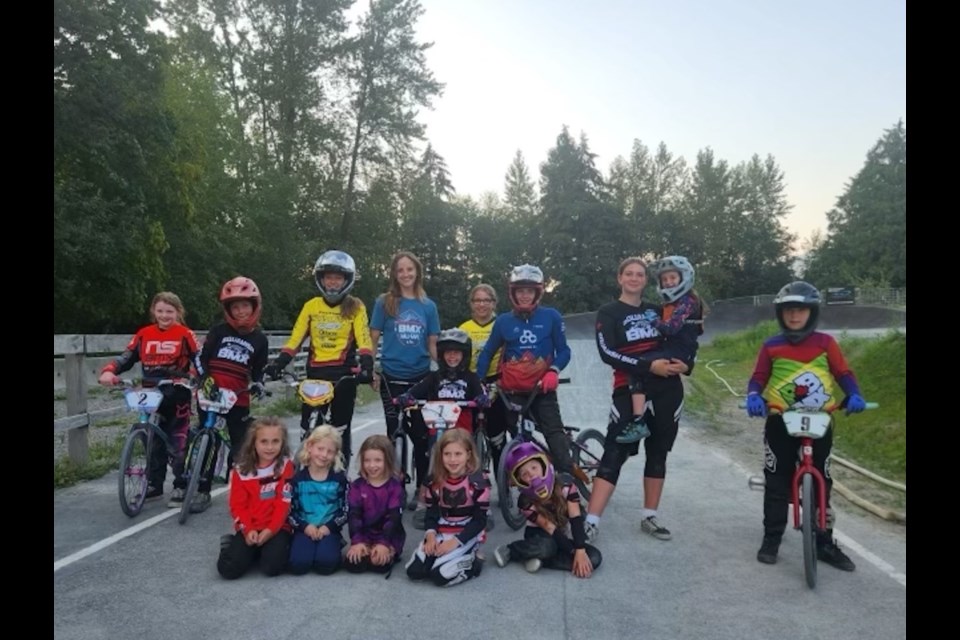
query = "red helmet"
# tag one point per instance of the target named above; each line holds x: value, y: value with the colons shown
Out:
x: 241, y: 288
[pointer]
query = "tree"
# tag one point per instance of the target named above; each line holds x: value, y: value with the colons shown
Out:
x: 867, y: 229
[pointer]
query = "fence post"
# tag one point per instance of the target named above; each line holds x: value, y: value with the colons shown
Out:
x: 75, y: 376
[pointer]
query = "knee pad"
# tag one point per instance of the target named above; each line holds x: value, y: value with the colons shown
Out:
x: 609, y: 472
x: 451, y: 573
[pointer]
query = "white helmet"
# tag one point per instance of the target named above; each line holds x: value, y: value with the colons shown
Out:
x: 525, y: 276
x: 335, y: 262
x: 683, y: 267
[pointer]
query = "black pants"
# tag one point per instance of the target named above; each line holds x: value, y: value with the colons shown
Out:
x: 780, y: 457
x: 415, y: 427
x: 238, y: 420
x: 237, y: 558
x: 537, y: 543
x: 663, y: 419
x: 175, y: 421
x: 546, y: 413
x: 497, y: 429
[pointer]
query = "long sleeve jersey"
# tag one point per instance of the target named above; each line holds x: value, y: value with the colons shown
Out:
x: 374, y: 514
x: 805, y: 374
x: 573, y: 535
x: 233, y: 359
x: 623, y: 333
x: 466, y: 386
x: 335, y: 341
x: 261, y: 500
x: 681, y: 325
x: 163, y: 353
x: 531, y: 346
x: 318, y: 502
x: 458, y: 506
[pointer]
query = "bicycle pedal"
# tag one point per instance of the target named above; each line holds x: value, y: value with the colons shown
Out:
x: 581, y: 475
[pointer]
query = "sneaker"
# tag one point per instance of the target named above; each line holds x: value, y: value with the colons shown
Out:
x: 201, y: 503
x: 502, y: 555
x: 154, y: 492
x: 176, y: 498
x: 592, y: 530
x: 420, y: 519
x: 768, y: 549
x: 830, y: 553
x: 533, y: 565
x: 635, y: 431
x: 651, y: 526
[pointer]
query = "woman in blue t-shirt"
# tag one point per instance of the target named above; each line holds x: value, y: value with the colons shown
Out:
x: 409, y: 324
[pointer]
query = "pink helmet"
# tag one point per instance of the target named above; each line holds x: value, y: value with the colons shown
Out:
x: 539, y: 488
x: 241, y: 288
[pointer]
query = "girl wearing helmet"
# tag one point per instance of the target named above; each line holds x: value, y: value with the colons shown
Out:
x: 800, y: 366
x: 336, y: 324
x: 680, y: 322
x: 234, y: 355
x: 555, y: 536
x: 535, y: 350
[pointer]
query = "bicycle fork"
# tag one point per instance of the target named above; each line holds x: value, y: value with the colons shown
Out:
x: 806, y: 466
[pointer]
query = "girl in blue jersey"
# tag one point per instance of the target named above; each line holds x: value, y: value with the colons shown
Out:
x: 319, y: 508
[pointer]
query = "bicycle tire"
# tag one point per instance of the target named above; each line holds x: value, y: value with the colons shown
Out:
x: 507, y: 494
x: 483, y: 451
x: 808, y: 529
x: 133, y: 481
x: 198, y: 451
x: 586, y: 454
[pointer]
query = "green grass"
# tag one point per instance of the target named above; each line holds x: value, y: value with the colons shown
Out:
x: 874, y: 439
x: 103, y: 457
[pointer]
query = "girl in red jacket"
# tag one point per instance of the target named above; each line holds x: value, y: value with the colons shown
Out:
x: 259, y: 502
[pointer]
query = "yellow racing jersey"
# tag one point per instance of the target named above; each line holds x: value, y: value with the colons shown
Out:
x: 478, y: 336
x: 334, y: 340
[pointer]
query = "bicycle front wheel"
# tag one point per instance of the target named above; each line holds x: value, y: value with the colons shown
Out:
x: 483, y: 451
x: 134, y: 465
x: 508, y: 494
x: 808, y: 512
x: 195, y: 459
x: 586, y: 452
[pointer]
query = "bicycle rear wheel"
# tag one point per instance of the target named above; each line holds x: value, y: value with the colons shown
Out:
x: 508, y: 494
x: 134, y: 463
x: 586, y: 452
x: 808, y: 512
x: 195, y: 459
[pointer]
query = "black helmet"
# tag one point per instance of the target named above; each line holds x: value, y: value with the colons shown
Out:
x: 798, y: 294
x: 457, y: 340
x: 335, y: 262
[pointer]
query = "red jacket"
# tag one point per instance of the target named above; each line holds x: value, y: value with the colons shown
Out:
x: 260, y: 500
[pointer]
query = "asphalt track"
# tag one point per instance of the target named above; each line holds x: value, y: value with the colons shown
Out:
x: 149, y: 578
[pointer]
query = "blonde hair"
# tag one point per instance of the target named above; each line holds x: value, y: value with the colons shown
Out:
x: 246, y: 460
x: 171, y: 299
x: 382, y: 444
x: 324, y: 431
x: 453, y: 436
x: 391, y: 299
x: 489, y: 290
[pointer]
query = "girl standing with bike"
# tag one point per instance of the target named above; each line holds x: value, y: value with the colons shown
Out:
x: 233, y: 356
x: 336, y: 323
x: 409, y: 323
x: 165, y: 349
x: 798, y: 367
x: 625, y: 329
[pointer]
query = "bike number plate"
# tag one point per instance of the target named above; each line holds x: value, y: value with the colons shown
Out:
x: 225, y: 402
x: 315, y: 392
x: 807, y: 423
x: 434, y: 412
x: 143, y: 400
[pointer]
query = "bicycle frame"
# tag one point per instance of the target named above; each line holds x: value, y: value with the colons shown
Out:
x: 808, y: 426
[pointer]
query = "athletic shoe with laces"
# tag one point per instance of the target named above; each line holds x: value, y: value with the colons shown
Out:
x: 768, y: 549
x: 651, y: 526
x: 154, y: 492
x: 635, y: 431
x: 829, y: 552
x: 502, y: 555
x: 592, y: 531
x: 176, y: 498
x: 200, y: 503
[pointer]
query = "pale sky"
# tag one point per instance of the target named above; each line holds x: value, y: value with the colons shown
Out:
x: 813, y: 83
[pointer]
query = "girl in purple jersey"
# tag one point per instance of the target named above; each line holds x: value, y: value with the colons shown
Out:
x: 375, y: 501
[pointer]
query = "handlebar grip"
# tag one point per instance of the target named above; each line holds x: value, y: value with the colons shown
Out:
x: 873, y: 405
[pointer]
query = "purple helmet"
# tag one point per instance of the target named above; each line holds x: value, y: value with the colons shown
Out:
x: 539, y: 488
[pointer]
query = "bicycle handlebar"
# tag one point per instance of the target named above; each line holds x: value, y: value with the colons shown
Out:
x: 742, y: 404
